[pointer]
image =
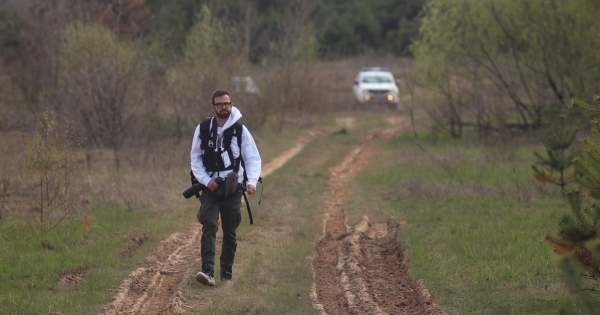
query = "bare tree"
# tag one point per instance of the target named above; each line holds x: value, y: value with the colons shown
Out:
x: 409, y: 83
x: 534, y: 56
x: 294, y: 88
x: 31, y: 32
x: 101, y: 83
x: 50, y: 165
x: 209, y: 61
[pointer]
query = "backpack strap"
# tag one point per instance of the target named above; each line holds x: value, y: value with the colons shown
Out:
x: 235, y: 130
x: 208, y: 135
x: 240, y: 161
x: 205, y: 132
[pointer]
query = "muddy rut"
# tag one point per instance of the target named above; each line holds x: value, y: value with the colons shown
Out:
x: 356, y: 270
x: 362, y: 269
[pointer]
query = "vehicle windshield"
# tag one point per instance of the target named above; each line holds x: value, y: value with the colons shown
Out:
x: 376, y: 79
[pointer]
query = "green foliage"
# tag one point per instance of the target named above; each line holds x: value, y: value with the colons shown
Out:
x: 29, y: 273
x: 471, y: 223
x: 399, y: 41
x: 558, y: 140
x: 50, y: 167
x: 584, y: 223
x: 209, y: 60
x: 352, y: 27
x: 207, y: 41
x: 343, y: 28
x: 534, y: 55
x: 588, y: 163
x: 576, y: 283
x: 88, y: 47
x: 100, y: 82
x: 578, y: 231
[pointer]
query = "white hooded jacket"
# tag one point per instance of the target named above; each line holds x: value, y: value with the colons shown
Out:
x: 249, y: 153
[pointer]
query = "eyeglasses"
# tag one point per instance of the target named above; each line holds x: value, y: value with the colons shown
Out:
x: 221, y: 105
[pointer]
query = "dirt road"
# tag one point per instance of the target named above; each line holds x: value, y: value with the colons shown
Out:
x: 363, y: 269
x: 356, y: 270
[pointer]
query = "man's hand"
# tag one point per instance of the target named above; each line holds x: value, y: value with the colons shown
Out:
x: 212, y: 184
x: 250, y: 189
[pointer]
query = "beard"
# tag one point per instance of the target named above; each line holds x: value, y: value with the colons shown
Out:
x: 223, y: 115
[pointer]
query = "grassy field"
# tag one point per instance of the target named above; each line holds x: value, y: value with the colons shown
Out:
x: 30, y: 269
x: 472, y: 223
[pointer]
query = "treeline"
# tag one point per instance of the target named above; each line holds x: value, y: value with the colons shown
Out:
x: 499, y: 66
x: 126, y: 74
x: 340, y: 27
x: 506, y: 66
x: 125, y: 69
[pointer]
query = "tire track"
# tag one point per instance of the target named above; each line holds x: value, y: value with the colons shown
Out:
x: 363, y: 269
x: 329, y: 292
x: 287, y: 155
x: 349, y: 265
x: 157, y: 288
x: 154, y: 289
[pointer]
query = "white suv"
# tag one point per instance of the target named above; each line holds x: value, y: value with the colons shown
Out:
x: 375, y: 84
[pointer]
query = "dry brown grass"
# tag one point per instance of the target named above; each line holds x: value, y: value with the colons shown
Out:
x: 153, y: 168
x: 150, y: 178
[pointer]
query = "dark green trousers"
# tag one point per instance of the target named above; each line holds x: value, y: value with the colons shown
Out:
x: 210, y: 208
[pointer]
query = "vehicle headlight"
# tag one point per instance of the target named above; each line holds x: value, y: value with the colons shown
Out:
x: 390, y: 97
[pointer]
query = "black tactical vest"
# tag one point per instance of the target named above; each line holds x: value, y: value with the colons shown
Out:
x: 213, y: 162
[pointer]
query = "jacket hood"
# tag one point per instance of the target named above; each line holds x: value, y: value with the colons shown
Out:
x: 233, y: 117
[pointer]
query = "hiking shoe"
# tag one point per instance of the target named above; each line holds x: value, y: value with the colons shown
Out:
x: 226, y: 276
x: 206, y: 277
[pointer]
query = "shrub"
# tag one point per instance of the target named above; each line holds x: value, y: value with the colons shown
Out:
x: 50, y: 166
x: 579, y: 230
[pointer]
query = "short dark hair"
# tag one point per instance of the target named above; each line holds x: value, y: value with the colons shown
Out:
x: 218, y: 93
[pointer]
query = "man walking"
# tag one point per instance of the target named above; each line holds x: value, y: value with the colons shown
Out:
x: 223, y: 151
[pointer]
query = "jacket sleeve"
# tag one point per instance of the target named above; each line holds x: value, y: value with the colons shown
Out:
x: 196, y: 157
x: 251, y: 157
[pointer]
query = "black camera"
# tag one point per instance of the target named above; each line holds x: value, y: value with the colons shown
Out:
x: 195, y: 189
x: 221, y: 192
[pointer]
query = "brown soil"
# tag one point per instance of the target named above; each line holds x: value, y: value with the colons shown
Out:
x: 364, y: 269
x: 358, y: 270
x: 72, y: 277
x: 154, y: 289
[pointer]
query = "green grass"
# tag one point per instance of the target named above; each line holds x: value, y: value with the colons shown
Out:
x: 30, y: 267
x: 29, y: 271
x: 474, y: 224
x: 473, y: 228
